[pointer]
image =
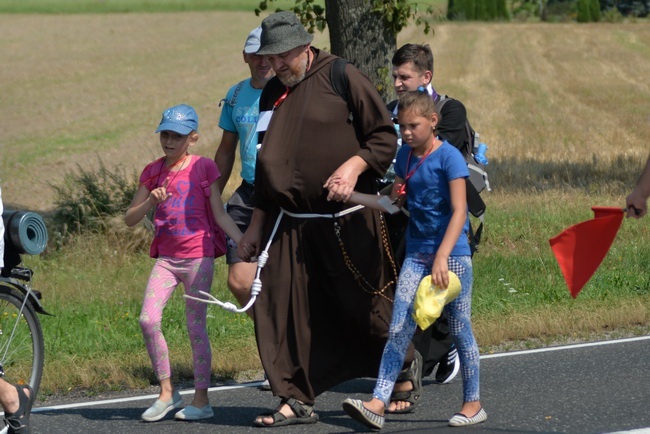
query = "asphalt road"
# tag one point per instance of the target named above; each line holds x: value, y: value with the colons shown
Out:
x: 600, y: 387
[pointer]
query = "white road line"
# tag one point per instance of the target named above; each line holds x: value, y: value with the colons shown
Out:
x: 258, y: 383
x: 139, y: 398
x: 634, y: 431
x: 565, y: 347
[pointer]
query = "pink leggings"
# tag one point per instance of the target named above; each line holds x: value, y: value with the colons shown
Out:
x: 196, y: 275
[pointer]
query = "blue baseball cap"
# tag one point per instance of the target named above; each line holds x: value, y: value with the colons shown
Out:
x: 181, y: 119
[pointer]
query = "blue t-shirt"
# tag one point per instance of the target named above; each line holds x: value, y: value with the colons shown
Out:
x: 240, y: 115
x: 429, y: 198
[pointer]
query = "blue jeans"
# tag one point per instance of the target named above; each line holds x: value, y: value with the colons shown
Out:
x: 402, y: 326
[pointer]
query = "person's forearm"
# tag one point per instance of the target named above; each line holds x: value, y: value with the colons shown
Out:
x: 136, y: 213
x: 453, y: 232
x: 225, y: 157
x: 225, y: 164
x: 229, y: 226
x: 643, y: 184
x: 380, y: 202
x: 356, y: 165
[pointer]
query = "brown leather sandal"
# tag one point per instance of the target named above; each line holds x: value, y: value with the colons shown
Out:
x: 303, y: 414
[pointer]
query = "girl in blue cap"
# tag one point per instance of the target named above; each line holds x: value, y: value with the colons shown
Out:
x: 183, y: 190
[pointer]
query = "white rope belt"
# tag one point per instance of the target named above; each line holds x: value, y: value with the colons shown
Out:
x: 256, y: 288
x: 316, y: 216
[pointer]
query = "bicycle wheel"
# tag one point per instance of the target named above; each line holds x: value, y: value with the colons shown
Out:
x: 21, y: 340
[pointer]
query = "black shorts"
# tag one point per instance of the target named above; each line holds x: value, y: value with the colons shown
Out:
x: 240, y: 209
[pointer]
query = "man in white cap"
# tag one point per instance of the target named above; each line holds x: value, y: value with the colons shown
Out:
x: 238, y: 121
x: 323, y: 312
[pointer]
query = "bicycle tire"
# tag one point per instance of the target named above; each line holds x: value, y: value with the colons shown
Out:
x: 21, y: 340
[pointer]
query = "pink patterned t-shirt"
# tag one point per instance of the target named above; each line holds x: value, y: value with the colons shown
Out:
x: 182, y: 224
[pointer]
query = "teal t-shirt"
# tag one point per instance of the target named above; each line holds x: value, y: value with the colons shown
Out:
x: 240, y: 115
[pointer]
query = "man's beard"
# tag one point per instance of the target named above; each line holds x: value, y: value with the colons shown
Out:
x: 297, y: 74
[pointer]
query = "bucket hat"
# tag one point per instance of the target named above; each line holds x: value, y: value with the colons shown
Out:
x: 282, y: 32
x: 181, y: 119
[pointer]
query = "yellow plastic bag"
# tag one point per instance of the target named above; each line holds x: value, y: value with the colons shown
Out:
x: 430, y: 300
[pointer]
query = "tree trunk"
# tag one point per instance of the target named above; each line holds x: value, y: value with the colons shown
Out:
x: 359, y: 35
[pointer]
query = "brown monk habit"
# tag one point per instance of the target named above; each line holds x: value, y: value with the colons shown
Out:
x: 321, y: 318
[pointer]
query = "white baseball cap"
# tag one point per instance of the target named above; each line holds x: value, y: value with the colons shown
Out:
x: 253, y: 41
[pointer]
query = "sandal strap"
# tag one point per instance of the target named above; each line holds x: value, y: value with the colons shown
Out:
x: 413, y: 374
x: 18, y: 420
x: 299, y: 409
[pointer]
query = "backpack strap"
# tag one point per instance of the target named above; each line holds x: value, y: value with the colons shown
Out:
x: 469, y: 132
x: 218, y: 234
x: 233, y: 100
x: 392, y: 108
x: 475, y: 204
x: 205, y: 185
x: 340, y: 83
x: 442, y: 100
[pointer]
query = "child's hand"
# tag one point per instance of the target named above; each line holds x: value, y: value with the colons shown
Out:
x: 247, y: 248
x: 341, y: 183
x: 440, y: 272
x: 160, y: 194
x: 339, y: 190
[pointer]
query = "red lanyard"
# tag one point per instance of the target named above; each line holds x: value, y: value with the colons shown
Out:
x: 162, y: 167
x: 280, y: 100
x: 402, y: 190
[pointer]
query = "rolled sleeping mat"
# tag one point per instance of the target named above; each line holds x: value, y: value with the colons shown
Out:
x: 26, y: 231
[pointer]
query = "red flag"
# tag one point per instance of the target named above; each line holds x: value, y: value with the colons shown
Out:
x: 580, y: 249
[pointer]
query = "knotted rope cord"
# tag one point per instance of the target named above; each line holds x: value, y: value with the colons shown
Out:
x: 363, y: 283
x: 256, y: 288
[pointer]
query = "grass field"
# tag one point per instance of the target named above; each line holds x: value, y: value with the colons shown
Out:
x: 564, y: 109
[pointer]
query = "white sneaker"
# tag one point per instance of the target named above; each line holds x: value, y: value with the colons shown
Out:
x: 194, y: 413
x: 159, y: 409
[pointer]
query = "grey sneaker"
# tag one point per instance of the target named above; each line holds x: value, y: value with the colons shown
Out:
x: 194, y: 413
x: 265, y: 384
x: 159, y: 409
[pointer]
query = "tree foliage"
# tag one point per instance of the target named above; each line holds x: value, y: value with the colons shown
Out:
x: 477, y: 10
x: 362, y: 31
x: 583, y: 12
x: 594, y: 10
x: 365, y: 31
x: 396, y: 14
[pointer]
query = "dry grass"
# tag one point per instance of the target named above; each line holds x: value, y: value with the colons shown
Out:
x: 558, y: 104
x: 74, y: 87
x: 547, y: 324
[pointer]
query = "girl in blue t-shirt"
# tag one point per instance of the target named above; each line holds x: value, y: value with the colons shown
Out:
x: 431, y: 176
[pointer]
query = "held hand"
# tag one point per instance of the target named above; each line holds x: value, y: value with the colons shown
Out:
x: 341, y: 184
x: 247, y: 247
x: 636, y: 205
x: 440, y: 272
x: 160, y: 194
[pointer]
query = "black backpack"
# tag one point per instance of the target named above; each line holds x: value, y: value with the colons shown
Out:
x: 478, y: 177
